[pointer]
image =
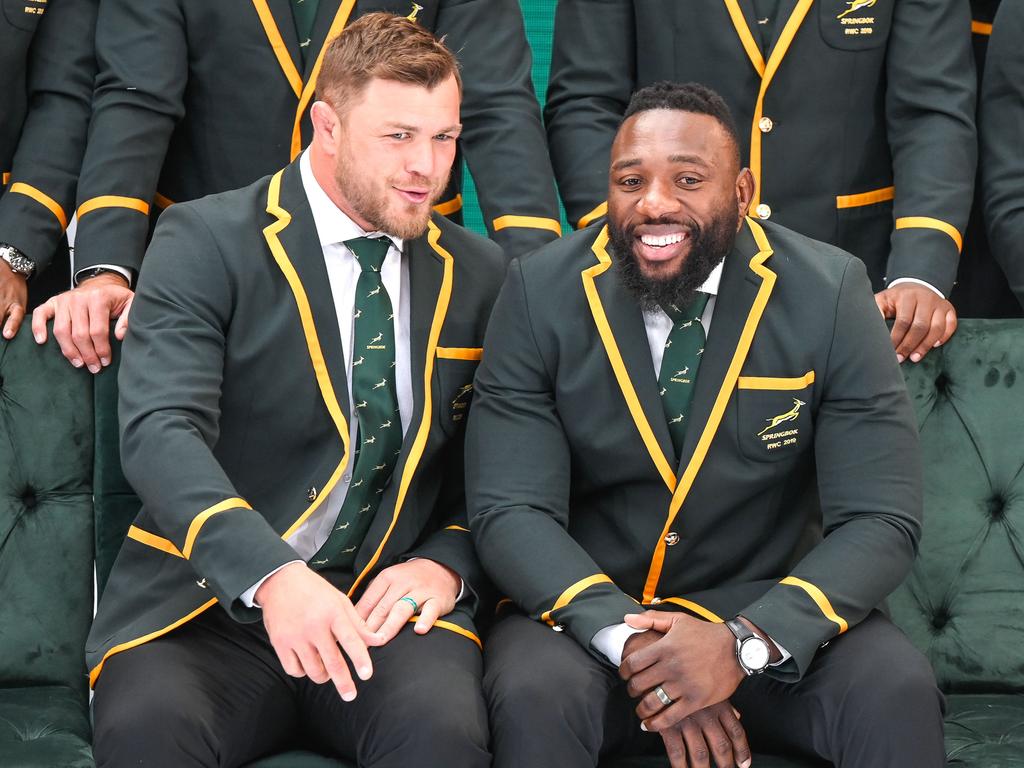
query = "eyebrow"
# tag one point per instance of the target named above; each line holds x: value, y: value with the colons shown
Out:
x: 416, y: 129
x: 632, y: 162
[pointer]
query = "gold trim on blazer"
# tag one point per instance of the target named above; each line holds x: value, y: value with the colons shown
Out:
x: 452, y: 627
x: 596, y: 213
x: 43, y: 199
x: 819, y: 599
x: 570, y: 594
x: 693, y: 607
x: 927, y: 222
x: 767, y: 277
x: 866, y: 198
x: 423, y: 431
x: 284, y: 57
x: 766, y: 72
x: 152, y: 540
x: 774, y: 383
x: 448, y: 207
x: 200, y: 520
x: 529, y: 222
x: 460, y: 353
x: 113, y: 201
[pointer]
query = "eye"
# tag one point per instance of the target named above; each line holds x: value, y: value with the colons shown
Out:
x: 444, y: 137
x: 689, y: 181
x: 400, y: 136
x: 631, y: 182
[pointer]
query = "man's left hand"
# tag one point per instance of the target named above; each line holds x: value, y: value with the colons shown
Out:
x: 432, y: 586
x: 694, y: 664
x: 923, y: 319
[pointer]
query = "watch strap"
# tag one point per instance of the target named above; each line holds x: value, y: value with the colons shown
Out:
x: 19, y: 263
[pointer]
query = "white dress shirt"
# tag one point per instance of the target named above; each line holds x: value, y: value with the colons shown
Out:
x: 611, y: 640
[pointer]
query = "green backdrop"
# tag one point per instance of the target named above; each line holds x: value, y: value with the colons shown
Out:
x: 540, y: 21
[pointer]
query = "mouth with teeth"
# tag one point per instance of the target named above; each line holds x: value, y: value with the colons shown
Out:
x: 661, y: 242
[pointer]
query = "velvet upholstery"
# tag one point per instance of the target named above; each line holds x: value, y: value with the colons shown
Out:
x: 46, y: 554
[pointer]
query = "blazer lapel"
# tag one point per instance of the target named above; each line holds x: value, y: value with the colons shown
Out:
x: 744, y: 22
x: 279, y: 28
x: 302, y: 249
x: 621, y: 327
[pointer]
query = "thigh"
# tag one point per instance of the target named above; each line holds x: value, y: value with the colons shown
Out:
x: 208, y: 694
x: 552, y: 702
x: 423, y: 706
x: 866, y: 697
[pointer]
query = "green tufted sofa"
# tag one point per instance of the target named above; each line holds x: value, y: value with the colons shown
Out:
x: 963, y: 605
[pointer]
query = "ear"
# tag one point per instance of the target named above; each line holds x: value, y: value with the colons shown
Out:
x: 745, y: 186
x: 326, y: 127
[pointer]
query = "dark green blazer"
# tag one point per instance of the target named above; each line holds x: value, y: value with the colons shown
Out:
x: 47, y: 67
x: 577, y: 505
x: 860, y: 128
x: 196, y: 97
x: 234, y: 409
x: 1001, y: 122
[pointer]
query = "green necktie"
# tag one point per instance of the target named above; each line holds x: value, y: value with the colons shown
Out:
x: 379, y: 438
x: 304, y: 12
x: 678, y: 377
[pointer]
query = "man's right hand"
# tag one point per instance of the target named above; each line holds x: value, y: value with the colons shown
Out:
x: 307, y: 619
x: 81, y: 319
x: 13, y: 299
x: 712, y: 733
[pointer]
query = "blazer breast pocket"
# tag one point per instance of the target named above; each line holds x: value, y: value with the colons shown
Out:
x: 24, y: 14
x: 456, y: 367
x: 773, y: 414
x: 855, y: 25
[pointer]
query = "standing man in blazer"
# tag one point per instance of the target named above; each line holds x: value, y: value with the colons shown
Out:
x: 681, y: 377
x: 293, y: 400
x: 856, y: 117
x: 47, y: 67
x: 195, y: 98
x: 1002, y: 164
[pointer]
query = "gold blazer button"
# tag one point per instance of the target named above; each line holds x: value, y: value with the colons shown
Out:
x: 672, y: 539
x: 763, y: 211
x: 765, y: 124
x: 311, y: 494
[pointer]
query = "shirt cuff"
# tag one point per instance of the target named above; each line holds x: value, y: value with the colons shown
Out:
x: 929, y: 286
x: 786, y: 655
x: 610, y: 641
x: 248, y: 597
x: 125, y: 273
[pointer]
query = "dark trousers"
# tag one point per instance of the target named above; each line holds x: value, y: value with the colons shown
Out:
x: 214, y: 694
x: 869, y: 698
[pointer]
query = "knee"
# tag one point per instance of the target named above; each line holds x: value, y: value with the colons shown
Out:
x: 895, y: 686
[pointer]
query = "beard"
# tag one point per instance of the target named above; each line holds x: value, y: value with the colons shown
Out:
x: 405, y: 221
x: 708, y: 246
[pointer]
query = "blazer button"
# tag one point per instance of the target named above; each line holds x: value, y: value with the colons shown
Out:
x: 672, y: 539
x: 655, y: 601
x: 763, y: 211
x: 311, y: 494
x: 765, y: 124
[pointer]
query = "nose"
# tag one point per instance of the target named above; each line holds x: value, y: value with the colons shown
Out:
x: 420, y: 159
x: 658, y: 199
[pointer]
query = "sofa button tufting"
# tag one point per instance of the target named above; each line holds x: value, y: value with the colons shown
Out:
x: 941, y: 383
x: 28, y: 498
x: 941, y: 618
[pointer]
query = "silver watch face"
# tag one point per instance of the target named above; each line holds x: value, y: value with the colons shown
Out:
x: 754, y: 653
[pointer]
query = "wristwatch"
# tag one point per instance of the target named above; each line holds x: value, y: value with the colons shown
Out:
x: 84, y: 274
x: 752, y: 652
x: 19, y: 263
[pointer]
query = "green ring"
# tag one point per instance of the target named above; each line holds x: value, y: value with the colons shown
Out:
x: 413, y: 603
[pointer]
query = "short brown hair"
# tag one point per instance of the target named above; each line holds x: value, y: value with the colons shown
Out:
x: 385, y: 46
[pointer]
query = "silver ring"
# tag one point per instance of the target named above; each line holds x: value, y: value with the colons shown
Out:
x: 663, y: 697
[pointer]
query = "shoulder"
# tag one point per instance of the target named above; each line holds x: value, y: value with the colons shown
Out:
x: 475, y: 258
x: 223, y: 215
x: 809, y: 265
x: 560, y: 263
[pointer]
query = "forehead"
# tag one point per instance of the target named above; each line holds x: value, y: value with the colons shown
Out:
x: 408, y: 102
x: 660, y: 134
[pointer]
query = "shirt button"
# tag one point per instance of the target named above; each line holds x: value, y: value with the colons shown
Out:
x: 311, y: 494
x: 763, y: 211
x: 765, y: 124
x: 672, y: 539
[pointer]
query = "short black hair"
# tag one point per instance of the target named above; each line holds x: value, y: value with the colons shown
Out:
x: 685, y: 97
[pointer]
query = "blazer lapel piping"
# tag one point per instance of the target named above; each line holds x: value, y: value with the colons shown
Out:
x: 604, y: 262
x: 271, y: 234
x: 427, y: 415
x: 750, y: 45
x: 767, y: 277
x: 284, y: 56
x: 340, y: 20
x: 778, y: 53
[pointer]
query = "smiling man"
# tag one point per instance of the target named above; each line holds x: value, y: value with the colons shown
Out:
x: 292, y: 407
x: 681, y: 378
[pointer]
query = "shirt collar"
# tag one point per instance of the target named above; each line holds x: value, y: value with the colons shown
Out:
x: 711, y: 284
x: 333, y: 225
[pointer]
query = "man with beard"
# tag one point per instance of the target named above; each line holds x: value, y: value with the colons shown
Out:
x: 681, y: 377
x: 292, y: 404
